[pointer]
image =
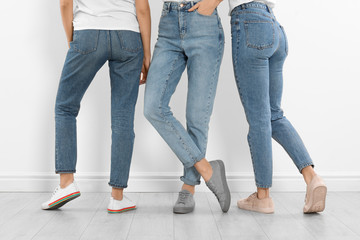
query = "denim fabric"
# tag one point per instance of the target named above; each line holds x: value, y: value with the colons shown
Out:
x: 89, y: 51
x: 186, y: 39
x: 259, y: 49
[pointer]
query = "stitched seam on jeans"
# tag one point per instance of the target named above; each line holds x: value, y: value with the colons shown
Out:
x: 263, y: 186
x: 162, y: 114
x: 305, y: 165
x: 216, y: 69
x: 251, y: 12
x: 243, y: 100
x: 117, y: 185
x: 188, y: 182
x: 91, y: 50
x: 278, y: 43
x: 285, y: 39
x: 122, y: 41
x: 270, y: 45
x: 298, y: 167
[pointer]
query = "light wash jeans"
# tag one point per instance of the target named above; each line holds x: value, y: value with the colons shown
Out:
x: 186, y: 39
x: 89, y: 51
x: 259, y: 49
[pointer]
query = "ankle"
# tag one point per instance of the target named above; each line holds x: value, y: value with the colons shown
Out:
x: 204, y: 169
x: 117, y: 193
x: 189, y: 188
x: 263, y: 193
x: 308, y: 174
x: 66, y: 179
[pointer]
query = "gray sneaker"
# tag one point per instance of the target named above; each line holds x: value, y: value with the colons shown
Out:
x: 185, y: 202
x: 218, y: 185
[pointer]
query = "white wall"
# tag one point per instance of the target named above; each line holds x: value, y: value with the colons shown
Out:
x: 321, y: 98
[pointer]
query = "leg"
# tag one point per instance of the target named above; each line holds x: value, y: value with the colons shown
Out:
x: 83, y: 60
x: 285, y: 134
x: 125, y: 68
x: 202, y: 85
x: 164, y: 74
x: 79, y: 70
x: 253, y: 85
x: 167, y: 53
x: 282, y: 130
x: 253, y: 43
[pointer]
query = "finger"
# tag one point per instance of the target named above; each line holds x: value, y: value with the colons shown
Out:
x: 194, y: 7
x: 142, y: 72
x: 142, y: 81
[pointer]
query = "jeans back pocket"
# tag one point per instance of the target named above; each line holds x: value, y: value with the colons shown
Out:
x: 130, y: 41
x: 259, y: 34
x: 85, y: 41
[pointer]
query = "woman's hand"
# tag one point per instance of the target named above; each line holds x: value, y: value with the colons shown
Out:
x: 66, y: 9
x: 206, y: 7
x: 144, y: 70
x: 144, y: 19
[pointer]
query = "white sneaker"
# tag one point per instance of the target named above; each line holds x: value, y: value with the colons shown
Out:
x: 116, y: 206
x: 61, y: 196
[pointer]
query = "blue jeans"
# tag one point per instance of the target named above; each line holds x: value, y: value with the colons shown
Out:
x: 89, y: 51
x: 186, y: 39
x: 259, y: 49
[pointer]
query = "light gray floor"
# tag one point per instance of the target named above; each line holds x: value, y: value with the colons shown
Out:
x: 87, y: 218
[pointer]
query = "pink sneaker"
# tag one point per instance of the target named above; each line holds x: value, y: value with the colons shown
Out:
x: 315, y: 195
x: 253, y: 203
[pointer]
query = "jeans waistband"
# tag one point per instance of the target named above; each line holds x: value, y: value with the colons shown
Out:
x: 179, y: 5
x: 253, y: 4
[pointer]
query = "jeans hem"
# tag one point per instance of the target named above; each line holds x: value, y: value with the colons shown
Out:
x: 306, y: 165
x: 65, y: 171
x: 117, y: 185
x: 189, y: 165
x: 189, y: 182
x: 263, y: 186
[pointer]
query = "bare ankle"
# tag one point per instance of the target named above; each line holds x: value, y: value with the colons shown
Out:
x: 66, y: 179
x: 189, y: 188
x: 308, y: 174
x: 204, y: 168
x: 263, y: 193
x: 117, y: 193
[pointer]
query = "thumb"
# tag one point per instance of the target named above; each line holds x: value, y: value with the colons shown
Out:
x: 194, y: 7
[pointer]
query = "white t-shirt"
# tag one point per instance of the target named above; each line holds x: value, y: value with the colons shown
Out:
x: 234, y: 3
x: 105, y: 15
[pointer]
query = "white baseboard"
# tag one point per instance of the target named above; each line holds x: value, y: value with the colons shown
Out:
x: 169, y: 182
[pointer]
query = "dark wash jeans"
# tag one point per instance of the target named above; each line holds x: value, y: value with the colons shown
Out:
x: 88, y: 52
x: 259, y: 49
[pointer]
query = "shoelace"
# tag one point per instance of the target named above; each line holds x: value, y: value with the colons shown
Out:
x: 56, y: 189
x: 182, y: 197
x: 254, y: 195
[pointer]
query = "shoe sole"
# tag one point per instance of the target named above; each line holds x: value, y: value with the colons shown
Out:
x: 226, y: 187
x: 121, y: 210
x: 265, y: 211
x: 317, y: 200
x: 62, y: 201
x: 183, y: 210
